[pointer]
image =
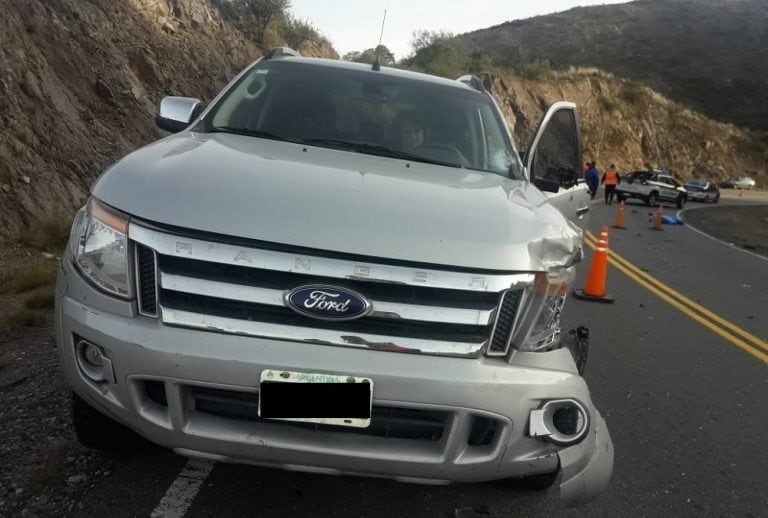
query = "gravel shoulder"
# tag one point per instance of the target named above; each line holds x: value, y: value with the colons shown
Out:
x: 45, y: 471
x: 746, y: 226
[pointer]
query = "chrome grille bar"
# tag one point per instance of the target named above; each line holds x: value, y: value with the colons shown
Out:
x: 223, y: 253
x: 320, y: 336
x: 273, y: 297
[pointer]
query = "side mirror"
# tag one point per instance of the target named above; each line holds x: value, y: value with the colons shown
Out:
x: 546, y: 185
x: 176, y: 113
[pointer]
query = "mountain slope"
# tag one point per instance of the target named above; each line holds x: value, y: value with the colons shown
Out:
x: 709, y: 54
x: 632, y: 126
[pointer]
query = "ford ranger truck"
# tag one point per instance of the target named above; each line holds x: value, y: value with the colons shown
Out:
x: 340, y: 269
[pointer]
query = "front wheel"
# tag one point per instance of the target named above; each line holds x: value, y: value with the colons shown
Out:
x: 538, y: 482
x: 95, y: 430
x: 652, y: 200
x: 717, y: 199
x: 620, y: 197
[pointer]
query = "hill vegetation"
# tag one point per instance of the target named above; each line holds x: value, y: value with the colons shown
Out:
x: 711, y: 55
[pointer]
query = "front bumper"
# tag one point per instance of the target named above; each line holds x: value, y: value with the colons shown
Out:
x: 143, y: 351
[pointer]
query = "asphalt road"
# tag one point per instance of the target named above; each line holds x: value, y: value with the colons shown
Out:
x: 685, y: 406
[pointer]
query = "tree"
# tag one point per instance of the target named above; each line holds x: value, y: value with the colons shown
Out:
x: 423, y: 39
x: 369, y: 56
x: 260, y: 13
x: 296, y: 31
x: 434, y: 52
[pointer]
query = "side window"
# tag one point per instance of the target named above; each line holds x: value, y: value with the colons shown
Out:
x: 557, y: 155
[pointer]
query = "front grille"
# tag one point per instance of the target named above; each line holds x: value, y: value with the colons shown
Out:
x: 386, y: 421
x: 505, y: 322
x: 146, y: 280
x: 219, y: 287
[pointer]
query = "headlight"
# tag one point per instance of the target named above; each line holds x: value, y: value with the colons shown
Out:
x: 99, y: 244
x: 539, y: 328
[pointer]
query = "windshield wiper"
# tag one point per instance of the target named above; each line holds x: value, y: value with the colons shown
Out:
x: 249, y: 133
x: 374, y: 149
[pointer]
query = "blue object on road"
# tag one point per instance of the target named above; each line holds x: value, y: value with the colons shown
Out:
x: 667, y: 220
x: 671, y: 220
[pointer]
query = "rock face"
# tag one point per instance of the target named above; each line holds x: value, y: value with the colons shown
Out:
x: 79, y: 85
x: 630, y: 126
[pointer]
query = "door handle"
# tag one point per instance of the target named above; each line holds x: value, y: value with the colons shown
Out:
x: 582, y: 210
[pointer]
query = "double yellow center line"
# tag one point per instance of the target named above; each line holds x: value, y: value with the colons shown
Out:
x: 734, y: 334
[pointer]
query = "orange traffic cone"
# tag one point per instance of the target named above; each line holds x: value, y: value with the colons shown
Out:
x: 657, y: 218
x: 594, y: 290
x: 620, y: 217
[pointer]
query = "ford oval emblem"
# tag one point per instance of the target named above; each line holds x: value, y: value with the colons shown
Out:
x: 327, y: 302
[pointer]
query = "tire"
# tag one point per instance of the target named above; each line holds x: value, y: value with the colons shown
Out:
x: 717, y: 199
x: 97, y: 431
x: 652, y: 200
x: 620, y: 197
x: 680, y: 201
x: 540, y: 482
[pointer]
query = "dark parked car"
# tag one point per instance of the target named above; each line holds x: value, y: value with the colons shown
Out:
x: 702, y: 190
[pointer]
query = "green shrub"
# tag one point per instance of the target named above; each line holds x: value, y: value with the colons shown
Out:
x: 22, y: 318
x: 42, y: 300
x: 610, y: 105
x: 49, y: 234
x: 35, y: 275
x: 295, y: 32
x: 538, y: 70
x: 635, y: 92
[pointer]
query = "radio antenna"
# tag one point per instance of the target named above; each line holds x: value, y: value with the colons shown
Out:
x: 376, y: 66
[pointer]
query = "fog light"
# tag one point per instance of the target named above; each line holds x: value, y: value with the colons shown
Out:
x: 93, y: 363
x: 560, y: 421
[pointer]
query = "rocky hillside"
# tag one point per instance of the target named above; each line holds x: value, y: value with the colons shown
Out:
x: 631, y: 126
x: 709, y: 54
x: 80, y: 81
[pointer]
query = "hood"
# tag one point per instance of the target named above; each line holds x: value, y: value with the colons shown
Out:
x: 340, y: 201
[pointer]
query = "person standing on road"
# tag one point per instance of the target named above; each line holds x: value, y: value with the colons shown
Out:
x: 611, y: 179
x: 592, y: 177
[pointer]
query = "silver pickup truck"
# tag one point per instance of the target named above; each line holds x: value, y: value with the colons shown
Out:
x: 341, y: 269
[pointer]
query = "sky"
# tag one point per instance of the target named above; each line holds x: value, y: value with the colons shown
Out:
x: 356, y: 24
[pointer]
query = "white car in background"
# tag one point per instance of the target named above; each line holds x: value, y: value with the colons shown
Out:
x: 740, y: 182
x: 652, y: 187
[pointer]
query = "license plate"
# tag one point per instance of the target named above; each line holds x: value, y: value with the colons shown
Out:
x: 335, y: 399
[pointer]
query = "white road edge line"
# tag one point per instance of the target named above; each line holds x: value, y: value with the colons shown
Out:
x: 183, y: 490
x: 726, y: 243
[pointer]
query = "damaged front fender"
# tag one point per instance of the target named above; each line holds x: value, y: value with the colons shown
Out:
x: 585, y: 472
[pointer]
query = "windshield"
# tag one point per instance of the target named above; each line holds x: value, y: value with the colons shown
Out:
x: 367, y: 112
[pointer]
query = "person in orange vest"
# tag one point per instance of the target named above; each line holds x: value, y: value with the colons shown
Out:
x: 610, y: 179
